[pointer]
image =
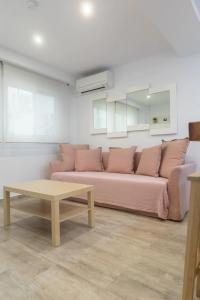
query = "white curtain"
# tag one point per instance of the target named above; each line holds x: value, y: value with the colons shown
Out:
x: 35, y: 107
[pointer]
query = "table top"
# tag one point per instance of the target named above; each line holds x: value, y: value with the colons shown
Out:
x: 49, y: 189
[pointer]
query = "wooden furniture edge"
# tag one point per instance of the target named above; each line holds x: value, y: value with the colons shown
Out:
x: 30, y: 206
x: 194, y: 176
x: 46, y: 196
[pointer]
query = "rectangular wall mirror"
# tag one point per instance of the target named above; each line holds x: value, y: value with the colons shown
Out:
x: 116, y: 117
x: 160, y: 110
x: 98, y: 114
x: 141, y: 108
x: 163, y: 111
x: 138, y: 108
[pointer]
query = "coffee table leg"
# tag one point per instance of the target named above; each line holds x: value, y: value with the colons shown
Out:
x: 91, y: 221
x: 6, y: 206
x: 55, y: 223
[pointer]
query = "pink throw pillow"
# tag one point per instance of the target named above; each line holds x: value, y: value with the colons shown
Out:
x: 121, y: 160
x: 150, y: 161
x: 173, y: 155
x: 68, y: 154
x: 88, y: 160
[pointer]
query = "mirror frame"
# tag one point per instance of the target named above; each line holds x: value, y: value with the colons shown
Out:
x: 173, y: 129
x: 121, y: 133
x: 95, y: 97
x: 138, y: 127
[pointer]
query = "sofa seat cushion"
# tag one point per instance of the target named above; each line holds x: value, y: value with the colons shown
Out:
x: 136, y: 192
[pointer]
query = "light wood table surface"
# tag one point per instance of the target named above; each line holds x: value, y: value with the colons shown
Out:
x: 46, y: 202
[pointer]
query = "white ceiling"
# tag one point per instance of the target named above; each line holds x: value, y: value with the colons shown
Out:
x: 120, y: 31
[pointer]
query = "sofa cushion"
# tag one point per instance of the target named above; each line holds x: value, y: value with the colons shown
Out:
x: 68, y: 154
x: 121, y: 160
x: 173, y: 155
x: 105, y: 158
x: 135, y: 192
x: 150, y: 161
x: 88, y: 160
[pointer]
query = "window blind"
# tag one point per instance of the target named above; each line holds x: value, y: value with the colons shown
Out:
x: 35, y: 107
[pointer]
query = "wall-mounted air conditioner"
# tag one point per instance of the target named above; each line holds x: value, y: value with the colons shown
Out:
x: 94, y: 83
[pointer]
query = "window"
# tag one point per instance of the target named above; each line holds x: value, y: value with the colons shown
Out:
x: 45, y: 115
x: 20, y: 109
x: 35, y: 107
x: 30, y: 116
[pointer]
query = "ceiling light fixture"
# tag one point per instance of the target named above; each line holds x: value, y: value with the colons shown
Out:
x: 32, y: 4
x: 87, y: 9
x: 148, y: 96
x: 38, y: 39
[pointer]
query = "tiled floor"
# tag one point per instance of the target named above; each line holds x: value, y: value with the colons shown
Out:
x: 125, y: 257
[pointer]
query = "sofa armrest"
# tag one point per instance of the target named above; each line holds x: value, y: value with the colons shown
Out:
x: 179, y: 191
x: 56, y: 166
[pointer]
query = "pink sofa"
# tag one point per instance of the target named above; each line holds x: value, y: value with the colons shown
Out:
x: 160, y: 197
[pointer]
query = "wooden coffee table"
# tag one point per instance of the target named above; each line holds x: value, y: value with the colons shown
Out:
x: 46, y: 202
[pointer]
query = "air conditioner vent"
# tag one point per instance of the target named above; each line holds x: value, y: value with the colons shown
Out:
x: 94, y: 83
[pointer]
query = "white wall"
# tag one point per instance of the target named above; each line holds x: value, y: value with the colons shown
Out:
x: 185, y: 72
x: 15, y: 169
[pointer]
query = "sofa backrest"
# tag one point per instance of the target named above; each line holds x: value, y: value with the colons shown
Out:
x: 105, y: 157
x: 137, y: 157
